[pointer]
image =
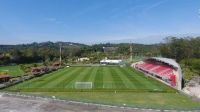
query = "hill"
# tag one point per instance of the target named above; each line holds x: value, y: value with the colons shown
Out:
x: 49, y: 51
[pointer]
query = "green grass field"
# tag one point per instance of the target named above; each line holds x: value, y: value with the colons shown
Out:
x: 132, y: 99
x: 111, y: 85
x: 103, y: 78
x: 12, y: 70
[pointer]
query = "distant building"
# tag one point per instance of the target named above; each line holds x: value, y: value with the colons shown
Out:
x: 4, y: 78
x: 111, y: 62
x: 83, y: 59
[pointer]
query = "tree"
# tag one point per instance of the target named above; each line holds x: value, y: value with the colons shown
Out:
x: 181, y: 48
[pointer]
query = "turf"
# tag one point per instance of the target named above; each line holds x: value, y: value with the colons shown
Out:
x: 123, y: 78
x: 142, y: 100
x: 111, y: 85
x: 12, y: 70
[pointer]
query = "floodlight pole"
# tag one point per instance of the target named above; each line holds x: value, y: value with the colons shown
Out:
x: 60, y: 53
x: 104, y: 51
x: 131, y: 52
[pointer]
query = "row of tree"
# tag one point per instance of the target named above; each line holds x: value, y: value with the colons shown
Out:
x: 186, y: 51
x: 176, y: 48
x: 181, y: 48
x: 49, y: 51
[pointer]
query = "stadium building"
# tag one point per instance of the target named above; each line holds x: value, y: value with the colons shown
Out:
x: 165, y: 70
x: 4, y: 78
x: 111, y: 62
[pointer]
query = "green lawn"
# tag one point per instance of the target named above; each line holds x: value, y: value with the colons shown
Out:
x: 132, y: 99
x: 111, y: 85
x: 12, y: 70
x: 103, y: 78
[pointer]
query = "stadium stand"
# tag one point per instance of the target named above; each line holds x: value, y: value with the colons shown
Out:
x: 165, y: 69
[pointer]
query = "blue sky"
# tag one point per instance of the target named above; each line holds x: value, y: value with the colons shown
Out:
x: 89, y: 21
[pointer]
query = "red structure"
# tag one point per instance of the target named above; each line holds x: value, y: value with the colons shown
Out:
x: 164, y: 69
x: 39, y: 70
x: 161, y: 71
x: 35, y: 71
x: 55, y: 66
x: 4, y: 78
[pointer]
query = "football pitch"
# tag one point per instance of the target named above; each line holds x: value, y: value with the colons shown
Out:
x: 102, y: 78
x: 112, y: 85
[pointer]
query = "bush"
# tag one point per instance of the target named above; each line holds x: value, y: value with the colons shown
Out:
x: 193, y: 64
x: 190, y: 67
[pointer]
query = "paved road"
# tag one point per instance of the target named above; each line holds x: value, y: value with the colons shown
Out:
x: 14, y: 103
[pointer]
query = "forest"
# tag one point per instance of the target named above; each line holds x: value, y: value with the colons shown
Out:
x: 185, y: 50
x: 49, y: 51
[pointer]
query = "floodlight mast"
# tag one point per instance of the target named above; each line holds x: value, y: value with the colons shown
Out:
x: 103, y: 49
x: 131, y: 52
x: 60, y: 53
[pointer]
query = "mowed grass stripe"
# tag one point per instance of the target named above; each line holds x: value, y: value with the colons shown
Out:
x: 48, y: 80
x: 32, y: 82
x: 50, y: 83
x: 102, y: 78
x: 126, y: 80
x: 134, y: 79
x: 144, y: 80
x: 69, y: 81
x: 117, y: 80
x: 98, y: 80
x: 87, y: 74
x: 107, y: 79
x: 156, y: 83
x: 93, y: 74
x: 58, y: 83
x: 79, y: 78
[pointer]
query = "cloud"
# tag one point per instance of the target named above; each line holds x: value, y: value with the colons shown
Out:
x: 199, y: 13
x: 157, y: 4
x: 89, y: 9
x: 52, y: 19
x: 121, y: 12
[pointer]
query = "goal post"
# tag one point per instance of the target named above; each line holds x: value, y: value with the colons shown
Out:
x: 83, y: 85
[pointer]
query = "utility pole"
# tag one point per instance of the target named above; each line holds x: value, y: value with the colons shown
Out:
x: 60, y: 53
x: 131, y: 52
x: 103, y: 49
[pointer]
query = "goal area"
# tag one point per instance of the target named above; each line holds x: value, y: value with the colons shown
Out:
x: 83, y: 85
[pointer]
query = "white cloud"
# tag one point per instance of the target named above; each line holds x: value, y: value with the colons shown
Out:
x: 121, y: 12
x: 199, y: 13
x: 51, y: 19
x: 157, y: 4
x: 88, y: 9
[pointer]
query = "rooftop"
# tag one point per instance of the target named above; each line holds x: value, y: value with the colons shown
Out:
x: 169, y: 61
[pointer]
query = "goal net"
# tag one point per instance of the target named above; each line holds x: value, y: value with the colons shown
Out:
x: 83, y: 85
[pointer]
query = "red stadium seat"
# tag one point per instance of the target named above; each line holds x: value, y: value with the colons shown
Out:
x: 163, y: 71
